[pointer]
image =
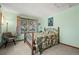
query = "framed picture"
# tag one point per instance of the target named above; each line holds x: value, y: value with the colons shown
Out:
x: 50, y: 21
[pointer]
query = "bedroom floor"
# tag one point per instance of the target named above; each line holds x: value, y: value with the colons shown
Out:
x: 61, y: 50
x: 22, y: 48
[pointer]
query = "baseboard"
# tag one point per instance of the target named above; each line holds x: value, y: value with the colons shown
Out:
x: 69, y: 45
x: 19, y: 40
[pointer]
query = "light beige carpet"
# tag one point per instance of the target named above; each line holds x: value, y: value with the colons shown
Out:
x: 20, y: 48
x: 61, y: 50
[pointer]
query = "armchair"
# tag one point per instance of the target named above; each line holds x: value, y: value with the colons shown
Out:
x: 8, y: 37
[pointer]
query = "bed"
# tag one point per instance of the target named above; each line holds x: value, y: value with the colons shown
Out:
x: 45, y: 40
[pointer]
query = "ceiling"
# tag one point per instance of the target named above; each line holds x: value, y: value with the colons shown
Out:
x: 39, y: 9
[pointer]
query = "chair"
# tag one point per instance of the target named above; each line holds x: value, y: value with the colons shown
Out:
x: 8, y: 37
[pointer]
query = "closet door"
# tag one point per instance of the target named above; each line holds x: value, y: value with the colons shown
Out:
x: 21, y: 27
x: 32, y: 25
